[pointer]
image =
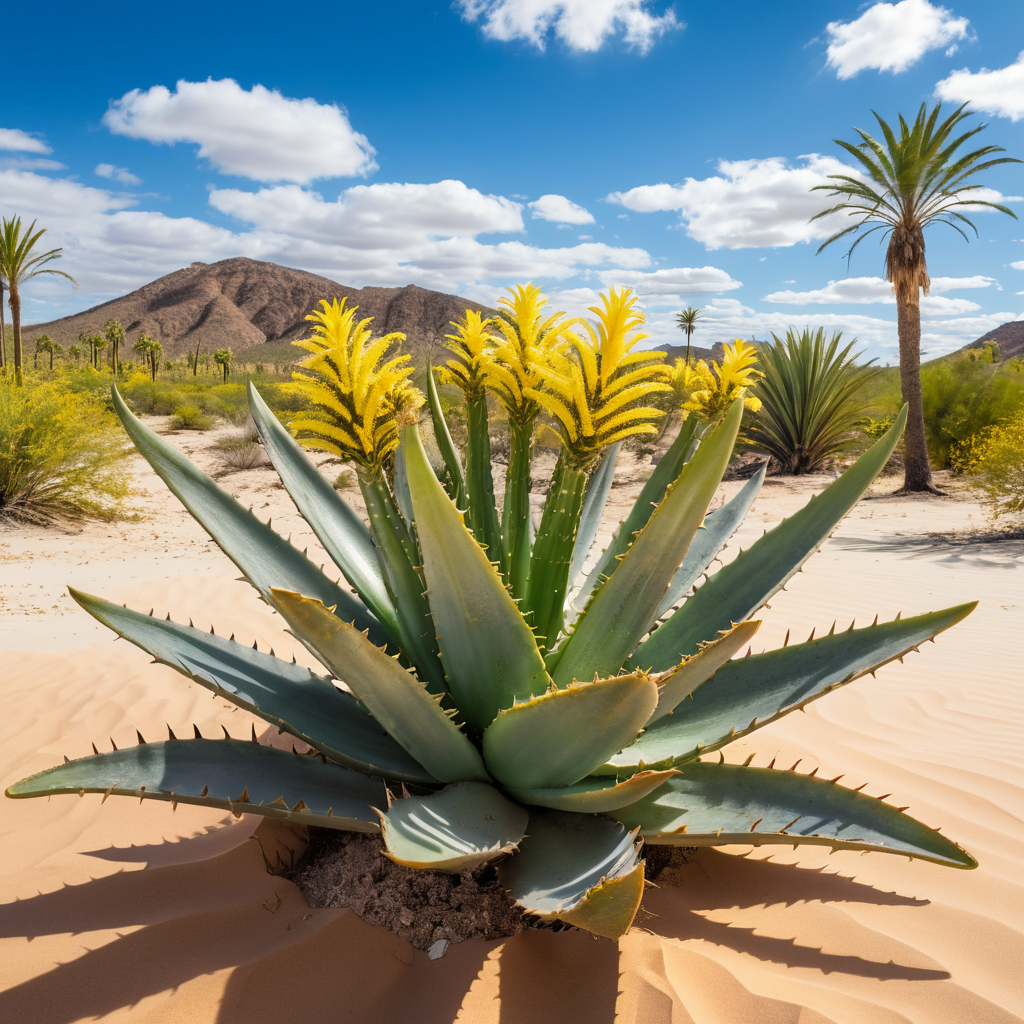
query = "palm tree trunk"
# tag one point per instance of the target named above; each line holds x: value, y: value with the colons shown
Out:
x: 918, y: 471
x: 16, y: 326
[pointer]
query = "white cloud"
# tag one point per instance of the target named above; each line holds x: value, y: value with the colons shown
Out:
x: 560, y: 210
x: 258, y: 134
x: 387, y: 234
x: 669, y: 285
x: 749, y: 203
x: 29, y: 163
x: 891, y: 37
x: 1018, y: 265
x: 999, y: 92
x: 579, y: 24
x: 16, y: 139
x: 870, y: 290
x: 121, y: 174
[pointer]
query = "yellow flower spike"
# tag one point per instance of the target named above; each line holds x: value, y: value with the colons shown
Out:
x: 357, y: 393
x: 471, y: 345
x: 525, y: 343
x: 710, y: 391
x: 596, y: 386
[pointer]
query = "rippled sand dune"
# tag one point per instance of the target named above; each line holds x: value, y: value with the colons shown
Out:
x: 129, y: 912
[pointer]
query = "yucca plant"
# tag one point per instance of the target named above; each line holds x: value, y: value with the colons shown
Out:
x: 553, y: 735
x: 808, y: 390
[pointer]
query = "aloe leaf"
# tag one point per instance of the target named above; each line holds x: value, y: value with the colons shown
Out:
x: 651, y: 494
x: 594, y: 504
x: 400, y: 557
x: 265, y: 558
x: 344, y: 536
x: 621, y: 611
x: 393, y: 695
x: 719, y: 804
x: 235, y: 775
x: 738, y: 589
x: 718, y: 527
x: 679, y: 682
x: 283, y: 693
x: 579, y: 868
x: 401, y: 486
x: 594, y: 795
x: 749, y: 693
x: 458, y: 829
x: 563, y: 735
x: 489, y: 653
x: 482, y: 511
x: 552, y: 553
x: 445, y: 444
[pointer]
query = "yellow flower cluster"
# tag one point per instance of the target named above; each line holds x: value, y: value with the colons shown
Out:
x: 524, y: 345
x: 709, y: 391
x: 595, y: 386
x: 471, y: 345
x: 358, y: 394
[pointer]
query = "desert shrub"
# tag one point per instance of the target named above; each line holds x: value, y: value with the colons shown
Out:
x: 962, y: 398
x: 150, y: 397
x: 346, y: 479
x: 62, y: 456
x: 190, y: 417
x: 809, y: 392
x: 995, y: 457
x: 241, y: 454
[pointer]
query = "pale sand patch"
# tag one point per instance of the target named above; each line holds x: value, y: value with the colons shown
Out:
x: 133, y: 913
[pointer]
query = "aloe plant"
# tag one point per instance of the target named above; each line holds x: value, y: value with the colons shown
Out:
x: 477, y: 716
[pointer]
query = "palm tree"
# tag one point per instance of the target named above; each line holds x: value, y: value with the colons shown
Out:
x: 687, y: 321
x: 114, y: 334
x: 150, y: 350
x: 222, y: 357
x: 19, y: 263
x: 911, y: 182
x: 99, y: 343
x: 44, y: 343
x: 3, y: 326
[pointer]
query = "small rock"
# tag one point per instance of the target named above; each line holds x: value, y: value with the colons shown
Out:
x: 438, y: 949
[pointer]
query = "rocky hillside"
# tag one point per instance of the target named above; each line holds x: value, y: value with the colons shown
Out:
x: 1009, y: 337
x: 241, y: 303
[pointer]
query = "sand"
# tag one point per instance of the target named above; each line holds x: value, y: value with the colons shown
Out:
x: 129, y: 912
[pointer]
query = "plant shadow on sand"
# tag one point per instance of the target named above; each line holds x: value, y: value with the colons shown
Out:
x: 226, y: 911
x: 984, y: 549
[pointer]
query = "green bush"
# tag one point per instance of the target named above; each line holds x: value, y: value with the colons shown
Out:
x: 190, y: 417
x: 963, y: 397
x: 62, y: 456
x: 151, y: 397
x: 996, y: 458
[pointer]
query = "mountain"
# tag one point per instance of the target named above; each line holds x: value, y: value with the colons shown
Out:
x: 1009, y: 337
x: 242, y: 304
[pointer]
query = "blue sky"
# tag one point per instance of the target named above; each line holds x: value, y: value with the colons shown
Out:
x: 466, y: 146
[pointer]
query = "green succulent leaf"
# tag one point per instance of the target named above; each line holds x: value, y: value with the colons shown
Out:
x: 490, y: 655
x: 651, y: 494
x: 680, y: 682
x: 622, y: 609
x: 748, y: 693
x: 394, y: 696
x: 718, y: 527
x: 283, y: 693
x: 445, y: 444
x: 594, y: 504
x: 482, y: 512
x: 594, y: 795
x: 738, y: 589
x: 458, y: 829
x: 235, y: 775
x: 552, y: 552
x: 579, y: 868
x: 561, y: 736
x: 719, y: 804
x: 265, y: 558
x: 344, y: 536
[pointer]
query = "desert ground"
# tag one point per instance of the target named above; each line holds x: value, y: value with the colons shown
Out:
x: 125, y: 912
